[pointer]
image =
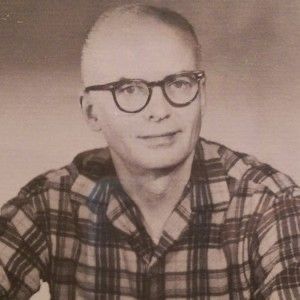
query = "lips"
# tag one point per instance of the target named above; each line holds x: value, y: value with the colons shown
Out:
x: 159, y: 135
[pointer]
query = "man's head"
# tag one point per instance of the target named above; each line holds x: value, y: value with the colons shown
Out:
x: 148, y: 43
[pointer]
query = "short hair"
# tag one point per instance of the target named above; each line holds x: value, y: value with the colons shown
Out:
x: 162, y: 14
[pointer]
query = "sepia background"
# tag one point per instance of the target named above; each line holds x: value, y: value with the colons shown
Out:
x: 250, y: 55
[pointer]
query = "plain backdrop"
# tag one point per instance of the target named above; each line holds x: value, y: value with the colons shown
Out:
x: 250, y: 55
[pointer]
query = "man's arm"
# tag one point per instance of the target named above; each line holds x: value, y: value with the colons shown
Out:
x: 276, y: 248
x: 23, y: 248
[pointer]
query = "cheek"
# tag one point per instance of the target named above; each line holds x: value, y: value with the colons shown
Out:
x: 106, y: 111
x: 113, y: 129
x: 192, y: 118
x: 115, y: 126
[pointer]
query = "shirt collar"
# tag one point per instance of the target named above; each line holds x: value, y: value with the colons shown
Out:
x: 96, y: 177
x: 98, y: 187
x: 208, y: 178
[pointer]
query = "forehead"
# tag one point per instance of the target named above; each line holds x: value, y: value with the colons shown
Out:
x: 136, y: 48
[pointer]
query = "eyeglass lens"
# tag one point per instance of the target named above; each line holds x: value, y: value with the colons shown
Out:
x: 132, y: 96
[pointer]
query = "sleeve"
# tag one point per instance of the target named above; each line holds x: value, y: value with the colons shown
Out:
x: 276, y: 249
x: 23, y: 249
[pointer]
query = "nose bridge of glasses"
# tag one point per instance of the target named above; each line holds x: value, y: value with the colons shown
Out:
x: 158, y: 86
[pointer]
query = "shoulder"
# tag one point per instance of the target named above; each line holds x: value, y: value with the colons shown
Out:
x: 55, y: 186
x: 93, y: 164
x: 33, y: 196
x: 246, y: 170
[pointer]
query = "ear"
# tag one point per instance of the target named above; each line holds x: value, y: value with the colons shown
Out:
x: 87, y: 108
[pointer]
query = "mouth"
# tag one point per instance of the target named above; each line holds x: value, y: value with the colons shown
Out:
x: 160, y: 135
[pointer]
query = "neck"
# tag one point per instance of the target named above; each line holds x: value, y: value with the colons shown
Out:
x: 155, y: 191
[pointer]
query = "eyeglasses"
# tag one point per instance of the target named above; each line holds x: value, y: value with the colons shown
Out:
x: 133, y: 95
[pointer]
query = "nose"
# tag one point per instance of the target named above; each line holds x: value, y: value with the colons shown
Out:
x: 158, y: 108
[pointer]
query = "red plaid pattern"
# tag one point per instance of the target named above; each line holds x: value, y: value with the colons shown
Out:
x: 234, y: 234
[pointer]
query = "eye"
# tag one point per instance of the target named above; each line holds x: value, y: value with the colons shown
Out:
x: 180, y: 83
x: 128, y: 89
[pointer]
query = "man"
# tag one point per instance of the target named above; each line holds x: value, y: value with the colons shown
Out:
x: 160, y: 213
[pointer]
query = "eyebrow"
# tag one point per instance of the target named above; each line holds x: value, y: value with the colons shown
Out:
x: 177, y: 73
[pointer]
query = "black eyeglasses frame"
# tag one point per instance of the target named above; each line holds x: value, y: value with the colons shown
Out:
x: 112, y: 86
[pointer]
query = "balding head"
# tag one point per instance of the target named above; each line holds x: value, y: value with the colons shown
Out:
x: 125, y: 23
x: 138, y: 43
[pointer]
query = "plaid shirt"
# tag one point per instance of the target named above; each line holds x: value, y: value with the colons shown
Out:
x: 234, y: 234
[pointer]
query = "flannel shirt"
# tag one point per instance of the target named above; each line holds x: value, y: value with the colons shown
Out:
x: 234, y: 234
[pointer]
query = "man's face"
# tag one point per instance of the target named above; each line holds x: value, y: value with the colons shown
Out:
x: 161, y: 135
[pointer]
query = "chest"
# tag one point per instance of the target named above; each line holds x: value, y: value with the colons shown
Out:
x: 98, y: 259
